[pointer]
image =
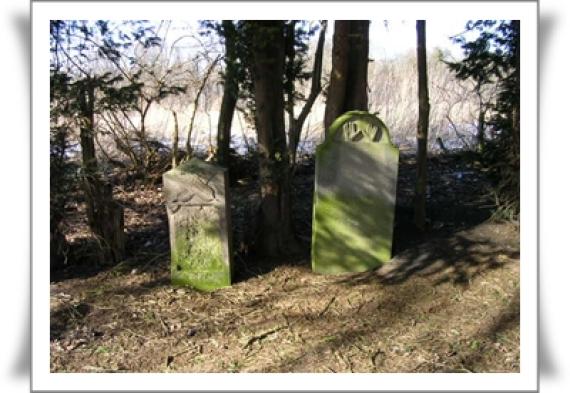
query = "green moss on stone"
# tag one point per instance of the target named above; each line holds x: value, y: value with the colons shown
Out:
x: 353, y: 210
x: 351, y: 234
x: 197, y: 257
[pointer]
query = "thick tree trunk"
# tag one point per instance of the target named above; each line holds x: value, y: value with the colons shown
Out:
x: 357, y: 77
x: 175, y: 134
x: 337, y: 87
x: 104, y: 215
x: 422, y: 132
x: 348, y: 89
x: 230, y: 95
x: 290, y: 83
x: 275, y: 231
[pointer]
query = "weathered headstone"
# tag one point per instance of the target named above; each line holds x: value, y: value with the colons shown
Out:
x: 355, y: 196
x: 199, y: 223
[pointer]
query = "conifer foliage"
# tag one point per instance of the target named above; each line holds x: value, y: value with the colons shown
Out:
x: 494, y: 57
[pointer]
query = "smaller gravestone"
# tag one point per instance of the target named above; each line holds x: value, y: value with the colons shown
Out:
x: 355, y: 195
x: 196, y: 195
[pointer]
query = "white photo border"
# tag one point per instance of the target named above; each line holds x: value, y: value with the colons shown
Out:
x: 526, y: 11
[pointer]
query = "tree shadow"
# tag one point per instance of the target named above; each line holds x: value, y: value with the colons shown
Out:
x: 457, y: 259
x: 145, y: 241
x: 69, y: 315
x: 503, y: 320
x: 457, y: 199
x: 454, y: 252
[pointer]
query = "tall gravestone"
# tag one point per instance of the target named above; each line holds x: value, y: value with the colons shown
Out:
x: 199, y: 224
x: 355, y: 196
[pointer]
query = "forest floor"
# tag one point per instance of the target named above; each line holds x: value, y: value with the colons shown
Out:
x: 447, y: 302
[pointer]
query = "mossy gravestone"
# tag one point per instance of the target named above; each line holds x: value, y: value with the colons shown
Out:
x: 198, y: 218
x: 355, y: 195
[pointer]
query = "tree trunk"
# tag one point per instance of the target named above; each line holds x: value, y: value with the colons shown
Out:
x: 516, y: 107
x: 104, y: 215
x: 480, y: 136
x: 348, y: 88
x: 58, y: 197
x: 296, y: 124
x: 175, y: 134
x: 422, y: 132
x: 195, y: 108
x: 337, y: 87
x: 230, y: 95
x: 147, y: 155
x: 357, y: 77
x: 275, y: 231
x: 58, y: 246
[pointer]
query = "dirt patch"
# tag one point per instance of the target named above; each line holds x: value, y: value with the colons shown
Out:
x: 448, y: 302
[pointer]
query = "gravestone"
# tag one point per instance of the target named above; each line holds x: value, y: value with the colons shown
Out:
x: 355, y: 195
x: 196, y: 195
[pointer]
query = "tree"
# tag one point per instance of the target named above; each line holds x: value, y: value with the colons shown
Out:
x: 422, y: 131
x: 275, y: 228
x: 475, y: 66
x: 61, y: 170
x: 77, y: 47
x: 205, y: 78
x: 493, y: 56
x: 348, y: 88
x: 231, y: 91
x: 295, y: 61
x: 175, y: 135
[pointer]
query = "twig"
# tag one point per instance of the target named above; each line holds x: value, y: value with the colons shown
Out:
x: 154, y: 259
x: 324, y: 310
x: 263, y: 335
x: 136, y: 334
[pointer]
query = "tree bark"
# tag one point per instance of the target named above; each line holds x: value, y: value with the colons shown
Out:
x: 422, y: 131
x: 516, y: 107
x: 348, y: 89
x: 148, y: 154
x: 337, y: 87
x: 357, y: 77
x: 480, y: 136
x: 296, y: 124
x: 175, y: 134
x: 230, y: 94
x: 275, y: 234
x: 104, y: 215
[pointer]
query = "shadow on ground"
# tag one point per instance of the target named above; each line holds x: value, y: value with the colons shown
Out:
x: 447, y: 302
x: 458, y: 199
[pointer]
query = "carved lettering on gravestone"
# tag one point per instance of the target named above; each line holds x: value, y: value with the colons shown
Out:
x: 355, y: 194
x: 198, y: 218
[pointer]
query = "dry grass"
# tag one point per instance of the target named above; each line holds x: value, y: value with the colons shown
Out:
x: 448, y: 301
x: 447, y: 316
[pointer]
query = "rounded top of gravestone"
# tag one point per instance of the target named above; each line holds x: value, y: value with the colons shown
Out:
x: 358, y: 126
